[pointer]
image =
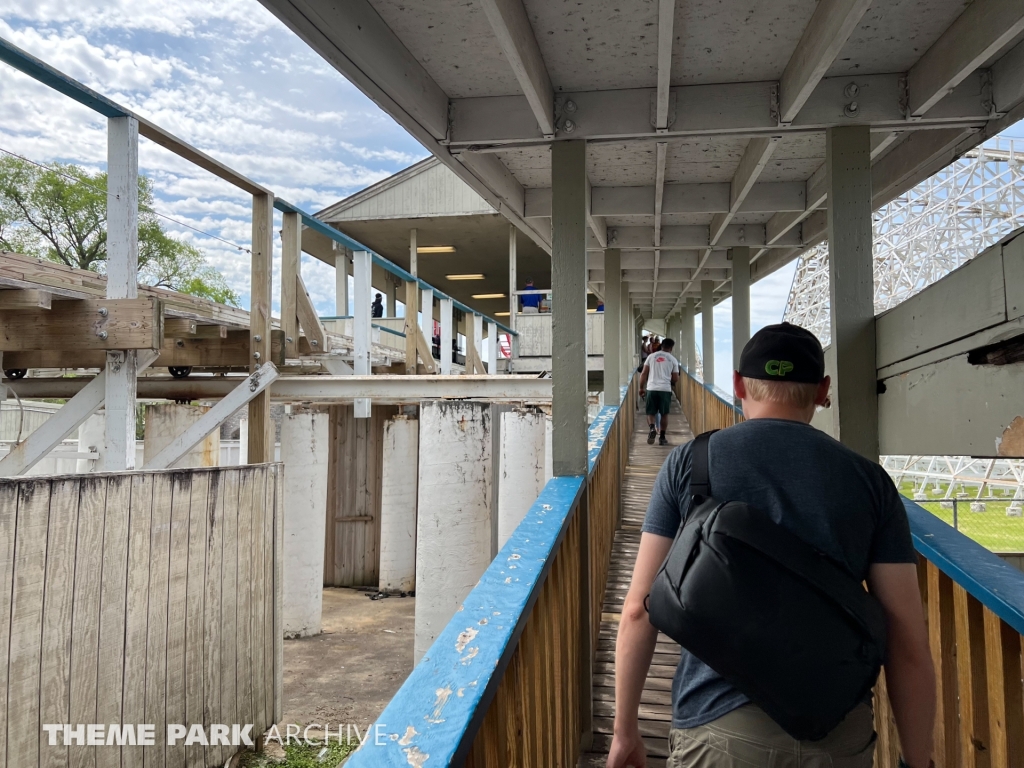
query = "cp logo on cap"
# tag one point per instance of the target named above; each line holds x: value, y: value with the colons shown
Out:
x: 778, y: 367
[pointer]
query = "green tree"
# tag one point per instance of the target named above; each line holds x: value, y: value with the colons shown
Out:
x: 59, y: 212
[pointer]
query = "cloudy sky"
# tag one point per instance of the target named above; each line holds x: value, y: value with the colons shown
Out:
x: 229, y: 78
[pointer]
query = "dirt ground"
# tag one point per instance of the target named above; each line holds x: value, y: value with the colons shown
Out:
x: 347, y: 674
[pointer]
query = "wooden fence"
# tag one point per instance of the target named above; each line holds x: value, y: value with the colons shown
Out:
x: 139, y: 598
x: 508, y: 681
x: 974, y: 603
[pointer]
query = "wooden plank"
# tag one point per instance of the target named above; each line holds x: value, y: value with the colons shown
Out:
x: 1003, y: 684
x: 261, y: 428
x: 291, y: 252
x: 8, y: 524
x: 158, y: 626
x: 261, y: 596
x: 411, y: 326
x: 72, y: 325
x: 232, y: 351
x: 278, y: 574
x: 86, y: 616
x: 55, y: 667
x: 195, y: 592
x: 137, y: 611
x: 243, y: 638
x: 25, y: 298
x: 971, y: 676
x: 230, y: 600
x: 177, y: 597
x: 175, y: 327
x: 25, y: 655
x: 212, y: 623
x: 316, y: 335
x: 111, y: 658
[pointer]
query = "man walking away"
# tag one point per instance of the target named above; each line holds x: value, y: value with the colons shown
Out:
x: 377, y: 308
x: 840, y: 503
x: 531, y: 301
x: 661, y: 372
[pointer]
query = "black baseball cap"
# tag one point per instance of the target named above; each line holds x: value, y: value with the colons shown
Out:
x: 783, y: 352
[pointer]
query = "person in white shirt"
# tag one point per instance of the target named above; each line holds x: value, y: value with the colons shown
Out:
x: 661, y: 372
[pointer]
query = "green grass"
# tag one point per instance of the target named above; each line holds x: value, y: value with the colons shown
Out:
x: 302, y: 756
x: 991, y: 528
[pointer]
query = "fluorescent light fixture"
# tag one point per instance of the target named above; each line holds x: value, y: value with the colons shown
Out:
x: 477, y: 276
x: 435, y: 249
x: 488, y: 295
x: 501, y: 314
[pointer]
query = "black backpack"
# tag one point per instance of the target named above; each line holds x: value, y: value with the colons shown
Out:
x: 780, y: 621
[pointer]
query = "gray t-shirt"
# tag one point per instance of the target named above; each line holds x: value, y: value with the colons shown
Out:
x: 834, y: 499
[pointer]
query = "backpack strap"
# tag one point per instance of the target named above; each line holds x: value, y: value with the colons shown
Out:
x: 700, y: 478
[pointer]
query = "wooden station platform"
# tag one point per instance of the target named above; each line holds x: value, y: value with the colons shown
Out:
x: 656, y: 702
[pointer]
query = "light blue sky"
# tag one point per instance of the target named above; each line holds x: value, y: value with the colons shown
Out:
x: 232, y: 80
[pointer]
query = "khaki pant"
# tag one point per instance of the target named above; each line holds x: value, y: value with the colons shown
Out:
x: 748, y: 738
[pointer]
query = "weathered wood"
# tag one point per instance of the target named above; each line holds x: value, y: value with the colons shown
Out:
x: 8, y: 520
x: 316, y: 335
x: 179, y: 326
x: 177, y: 602
x: 158, y: 624
x: 261, y: 428
x: 198, y: 535
x: 941, y: 638
x: 291, y: 253
x: 229, y: 606
x: 25, y: 298
x: 73, y: 325
x: 1003, y: 685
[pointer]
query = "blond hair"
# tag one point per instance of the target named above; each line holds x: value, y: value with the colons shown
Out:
x: 792, y: 393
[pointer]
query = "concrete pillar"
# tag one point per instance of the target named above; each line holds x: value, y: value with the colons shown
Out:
x: 707, y: 315
x: 91, y: 439
x: 304, y: 452
x: 492, y: 348
x: 625, y: 345
x: 852, y: 288
x: 398, y: 505
x: 569, y: 306
x: 740, y: 302
x: 612, y: 315
x: 362, y: 267
x: 165, y: 421
x: 687, y: 348
x: 521, y: 466
x: 341, y: 283
x: 447, y: 335
x: 513, y: 285
x: 455, y: 522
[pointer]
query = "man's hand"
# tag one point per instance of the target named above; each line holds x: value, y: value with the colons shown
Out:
x: 643, y: 393
x: 628, y: 750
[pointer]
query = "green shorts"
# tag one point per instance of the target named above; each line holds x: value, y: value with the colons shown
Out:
x: 658, y: 402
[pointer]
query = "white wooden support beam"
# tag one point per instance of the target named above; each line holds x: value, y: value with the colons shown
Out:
x: 831, y: 25
x: 361, y: 339
x: 341, y: 282
x: 291, y: 252
x: 256, y: 383
x: 516, y: 38
x: 411, y: 327
x: 447, y: 334
x: 981, y: 31
x: 492, y: 348
x: 851, y: 289
x: 261, y: 427
x: 666, y: 19
x: 70, y: 417
x: 122, y: 283
x: 427, y: 313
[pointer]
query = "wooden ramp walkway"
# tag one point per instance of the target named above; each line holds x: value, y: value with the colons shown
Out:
x: 656, y: 705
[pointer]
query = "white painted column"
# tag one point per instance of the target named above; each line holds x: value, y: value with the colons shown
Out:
x: 740, y: 302
x: 341, y: 282
x: 478, y: 335
x: 454, y: 529
x: 304, y: 451
x: 625, y: 344
x: 427, y: 308
x: 243, y: 441
x: 521, y: 466
x: 569, y: 305
x: 399, y: 479
x: 446, y: 336
x: 492, y: 349
x: 362, y: 265
x: 166, y: 421
x: 414, y: 256
x: 707, y: 321
x: 612, y: 334
x: 91, y: 438
x: 513, y: 300
x: 689, y: 340
x: 122, y: 283
x: 852, y: 288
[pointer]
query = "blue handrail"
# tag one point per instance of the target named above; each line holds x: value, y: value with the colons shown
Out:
x: 440, y: 702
